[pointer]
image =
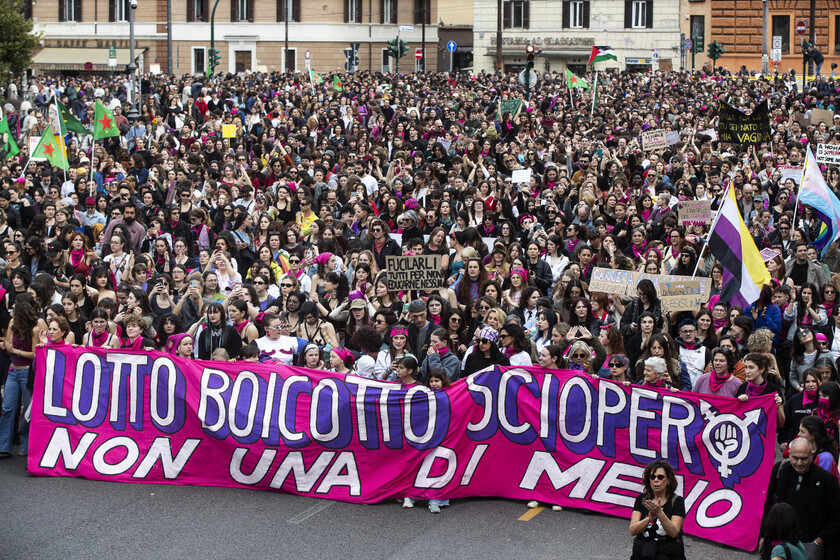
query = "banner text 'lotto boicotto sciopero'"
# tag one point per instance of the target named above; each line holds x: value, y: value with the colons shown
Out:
x: 521, y: 433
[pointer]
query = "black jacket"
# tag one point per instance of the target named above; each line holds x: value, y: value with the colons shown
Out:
x: 390, y: 249
x: 540, y: 273
x: 817, y: 503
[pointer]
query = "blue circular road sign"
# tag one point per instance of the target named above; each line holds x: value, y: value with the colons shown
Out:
x: 451, y: 46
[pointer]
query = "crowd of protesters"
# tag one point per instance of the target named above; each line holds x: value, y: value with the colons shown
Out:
x: 272, y: 245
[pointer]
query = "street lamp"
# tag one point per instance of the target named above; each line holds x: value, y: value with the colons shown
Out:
x: 133, y: 113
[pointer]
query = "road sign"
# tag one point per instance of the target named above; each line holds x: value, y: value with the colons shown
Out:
x: 532, y: 79
x: 407, y: 28
x: 307, y: 55
x: 776, y: 55
x: 801, y: 27
x: 418, y: 54
x: 451, y: 46
x: 777, y: 42
x: 654, y: 55
x: 112, y: 56
x: 688, y: 45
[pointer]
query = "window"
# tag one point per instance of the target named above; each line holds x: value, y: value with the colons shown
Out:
x: 516, y: 14
x: 197, y: 11
x: 291, y: 7
x: 837, y: 34
x: 698, y: 27
x: 242, y: 10
x: 291, y: 60
x: 781, y: 26
x: 69, y: 10
x: 421, y: 8
x: 199, y: 62
x: 575, y: 14
x: 388, y: 11
x: 386, y: 61
x: 638, y: 14
x: 117, y: 10
x: 27, y: 9
x: 353, y: 11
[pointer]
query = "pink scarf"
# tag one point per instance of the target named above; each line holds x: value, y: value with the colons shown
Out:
x: 809, y: 397
x: 754, y: 390
x: 717, y: 382
x: 99, y: 339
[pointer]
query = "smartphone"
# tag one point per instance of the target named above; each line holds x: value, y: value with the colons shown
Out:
x: 193, y: 283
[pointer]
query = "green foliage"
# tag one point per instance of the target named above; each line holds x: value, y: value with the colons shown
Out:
x: 17, y: 42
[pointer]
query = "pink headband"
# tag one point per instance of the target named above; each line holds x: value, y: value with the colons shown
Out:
x: 396, y: 331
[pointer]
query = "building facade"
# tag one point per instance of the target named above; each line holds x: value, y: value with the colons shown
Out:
x: 563, y: 32
x: 250, y: 35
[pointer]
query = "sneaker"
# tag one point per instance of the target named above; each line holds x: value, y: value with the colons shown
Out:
x: 408, y: 503
x: 556, y: 508
x: 533, y: 504
x: 5, y: 455
x: 434, y: 508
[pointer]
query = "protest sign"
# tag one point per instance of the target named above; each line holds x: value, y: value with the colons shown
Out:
x: 612, y: 281
x: 657, y: 279
x: 694, y: 212
x: 769, y: 254
x: 521, y: 175
x: 821, y: 115
x: 828, y: 154
x: 509, y: 106
x: 519, y: 433
x: 653, y: 139
x: 33, y: 143
x: 418, y: 272
x: 790, y: 172
x: 228, y: 131
x: 711, y: 133
x: 681, y: 295
x: 672, y: 137
x: 737, y: 127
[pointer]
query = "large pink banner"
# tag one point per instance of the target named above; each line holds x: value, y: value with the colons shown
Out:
x: 522, y: 433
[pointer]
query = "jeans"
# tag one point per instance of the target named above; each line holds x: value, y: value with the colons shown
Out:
x: 817, y: 68
x: 15, y: 387
x: 440, y: 503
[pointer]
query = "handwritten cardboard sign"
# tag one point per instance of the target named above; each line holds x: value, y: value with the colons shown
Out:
x: 828, y: 154
x: 653, y: 139
x: 612, y: 281
x: 681, y: 295
x: 695, y: 212
x: 521, y: 175
x: 419, y: 272
x: 790, y: 172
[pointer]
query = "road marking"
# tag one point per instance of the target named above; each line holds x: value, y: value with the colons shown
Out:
x: 307, y: 513
x: 531, y: 513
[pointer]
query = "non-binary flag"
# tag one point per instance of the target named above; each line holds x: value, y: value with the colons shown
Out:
x: 730, y: 242
x: 814, y: 192
x: 602, y: 54
x: 104, y: 125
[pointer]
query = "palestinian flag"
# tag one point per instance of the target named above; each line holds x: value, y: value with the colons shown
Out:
x: 574, y: 81
x: 7, y: 141
x: 104, y: 126
x: 337, y: 84
x: 67, y: 122
x: 602, y: 54
x: 315, y: 77
x: 49, y: 149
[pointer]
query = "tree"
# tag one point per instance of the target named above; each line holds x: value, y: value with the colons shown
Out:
x: 17, y: 42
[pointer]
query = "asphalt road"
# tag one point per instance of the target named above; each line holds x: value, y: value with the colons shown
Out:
x: 67, y: 518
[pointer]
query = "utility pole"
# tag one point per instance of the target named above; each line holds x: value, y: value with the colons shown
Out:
x: 499, y: 65
x: 813, y: 24
x: 286, y: 45
x: 169, y: 36
x: 765, y: 53
x: 423, y: 37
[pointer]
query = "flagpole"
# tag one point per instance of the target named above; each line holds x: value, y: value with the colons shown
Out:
x: 594, y: 95
x: 714, y: 223
x: 796, y: 205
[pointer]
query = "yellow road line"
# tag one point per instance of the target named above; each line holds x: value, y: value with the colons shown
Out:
x: 530, y: 514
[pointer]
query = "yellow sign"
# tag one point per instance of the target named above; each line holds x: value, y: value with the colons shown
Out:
x: 228, y: 131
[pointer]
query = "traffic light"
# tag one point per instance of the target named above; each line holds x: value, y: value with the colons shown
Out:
x: 529, y: 51
x: 699, y: 46
x: 716, y: 50
x: 215, y: 60
x: 403, y: 48
x: 393, y: 48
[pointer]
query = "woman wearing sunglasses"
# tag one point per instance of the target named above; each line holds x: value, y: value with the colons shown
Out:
x: 582, y: 346
x: 485, y: 353
x: 658, y: 515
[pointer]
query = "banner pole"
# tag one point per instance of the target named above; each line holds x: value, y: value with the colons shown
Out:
x: 714, y: 223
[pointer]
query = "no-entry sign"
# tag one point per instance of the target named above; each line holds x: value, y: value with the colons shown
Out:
x: 801, y: 27
x: 418, y: 54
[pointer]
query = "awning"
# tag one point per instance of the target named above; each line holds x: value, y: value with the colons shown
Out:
x: 54, y: 58
x: 546, y: 53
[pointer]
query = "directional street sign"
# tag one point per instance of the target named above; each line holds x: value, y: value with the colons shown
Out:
x: 451, y: 46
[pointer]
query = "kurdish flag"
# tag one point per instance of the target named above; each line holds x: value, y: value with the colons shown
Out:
x: 315, y: 77
x: 730, y: 242
x: 574, y: 81
x: 67, y: 122
x: 602, y: 54
x: 49, y: 149
x: 337, y: 84
x: 814, y: 192
x: 104, y: 126
x: 7, y: 141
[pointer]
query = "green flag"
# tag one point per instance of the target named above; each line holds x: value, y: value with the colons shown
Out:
x: 68, y: 122
x: 574, y: 81
x: 315, y: 77
x: 104, y: 126
x: 50, y: 149
x: 7, y: 142
x: 337, y: 84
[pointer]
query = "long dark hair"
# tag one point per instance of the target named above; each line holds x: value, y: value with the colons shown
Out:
x: 781, y: 524
x: 26, y: 317
x: 824, y: 442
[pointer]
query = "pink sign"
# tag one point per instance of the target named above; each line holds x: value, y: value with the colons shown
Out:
x: 521, y: 433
